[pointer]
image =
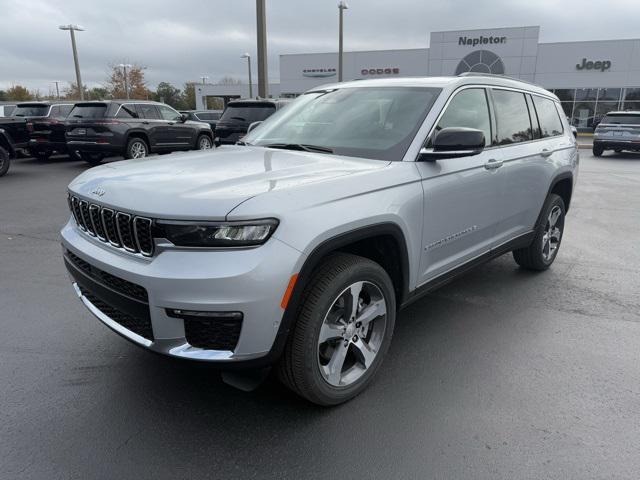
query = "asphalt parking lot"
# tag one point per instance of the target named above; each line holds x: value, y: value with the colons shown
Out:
x: 501, y: 374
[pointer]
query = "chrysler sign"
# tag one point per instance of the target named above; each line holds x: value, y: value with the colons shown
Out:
x: 319, y: 72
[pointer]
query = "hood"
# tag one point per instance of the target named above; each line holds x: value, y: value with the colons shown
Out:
x: 207, y: 185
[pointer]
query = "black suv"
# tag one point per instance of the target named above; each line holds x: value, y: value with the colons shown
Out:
x: 209, y: 116
x: 132, y: 128
x: 45, y: 122
x: 8, y: 129
x: 239, y: 114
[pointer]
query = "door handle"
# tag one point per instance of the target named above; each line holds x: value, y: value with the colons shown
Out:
x: 493, y: 164
x: 546, y: 153
x: 145, y: 123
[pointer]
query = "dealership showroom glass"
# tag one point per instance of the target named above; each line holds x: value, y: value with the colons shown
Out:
x: 591, y: 78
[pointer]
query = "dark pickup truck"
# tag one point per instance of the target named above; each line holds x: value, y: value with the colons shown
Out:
x: 13, y: 135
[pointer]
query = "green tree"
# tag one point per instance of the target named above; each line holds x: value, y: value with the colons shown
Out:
x: 189, y: 96
x: 18, y: 93
x: 3, y: 96
x: 97, y: 93
x: 170, y: 95
x: 71, y: 92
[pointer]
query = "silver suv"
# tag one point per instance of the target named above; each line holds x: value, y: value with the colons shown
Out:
x: 617, y: 131
x: 297, y: 248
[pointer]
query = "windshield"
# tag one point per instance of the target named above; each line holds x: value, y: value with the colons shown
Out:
x: 31, y: 111
x: 622, y: 119
x: 368, y: 122
x: 247, y: 112
x: 88, y: 111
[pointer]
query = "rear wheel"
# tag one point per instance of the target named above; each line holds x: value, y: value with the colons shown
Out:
x: 597, y: 151
x: 343, y: 331
x: 136, y: 148
x: 92, y: 158
x: 5, y: 161
x: 204, y: 142
x: 548, y: 235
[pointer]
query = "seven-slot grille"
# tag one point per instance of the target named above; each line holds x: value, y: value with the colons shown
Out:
x: 120, y: 229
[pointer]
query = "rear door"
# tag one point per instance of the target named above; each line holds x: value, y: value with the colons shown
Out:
x: 156, y: 129
x: 461, y: 194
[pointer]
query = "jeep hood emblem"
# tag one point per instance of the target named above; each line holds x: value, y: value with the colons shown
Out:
x: 98, y: 191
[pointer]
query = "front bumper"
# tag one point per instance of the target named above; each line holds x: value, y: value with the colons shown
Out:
x: 251, y: 281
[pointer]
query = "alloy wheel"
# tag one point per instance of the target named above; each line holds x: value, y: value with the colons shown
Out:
x: 138, y: 150
x: 204, y: 144
x: 552, y: 234
x: 351, y: 334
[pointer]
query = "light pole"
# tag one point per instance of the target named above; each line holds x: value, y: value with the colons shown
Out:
x: 261, y: 20
x: 204, y: 79
x: 248, y: 57
x: 342, y: 6
x: 126, y: 82
x: 73, y: 28
x: 57, y: 90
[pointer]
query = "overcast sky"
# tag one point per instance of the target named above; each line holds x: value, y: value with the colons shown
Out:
x: 182, y: 40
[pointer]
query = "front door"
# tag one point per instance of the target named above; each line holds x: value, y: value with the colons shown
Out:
x: 461, y: 194
x: 179, y: 134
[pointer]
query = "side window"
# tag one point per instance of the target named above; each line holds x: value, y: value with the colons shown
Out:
x: 512, y: 117
x: 54, y: 112
x: 65, y: 110
x: 168, y: 113
x: 550, y: 123
x: 127, y: 111
x: 148, y: 111
x: 470, y: 109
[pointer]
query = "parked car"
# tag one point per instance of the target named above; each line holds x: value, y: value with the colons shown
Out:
x: 240, y: 114
x: 47, y: 132
x: 8, y: 149
x: 617, y: 131
x: 132, y: 128
x: 209, y: 116
x: 297, y: 248
x: 16, y: 130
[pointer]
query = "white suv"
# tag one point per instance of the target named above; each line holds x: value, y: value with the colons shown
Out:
x: 297, y: 248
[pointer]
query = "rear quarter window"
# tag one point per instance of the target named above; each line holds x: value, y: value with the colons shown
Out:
x: 95, y: 110
x: 548, y: 117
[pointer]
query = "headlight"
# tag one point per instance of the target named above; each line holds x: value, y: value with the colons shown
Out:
x: 214, y: 234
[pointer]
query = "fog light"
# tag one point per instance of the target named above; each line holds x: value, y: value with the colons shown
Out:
x: 179, y: 313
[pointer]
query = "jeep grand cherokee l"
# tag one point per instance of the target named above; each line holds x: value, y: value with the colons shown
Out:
x: 240, y: 114
x: 617, y: 131
x: 132, y: 128
x: 297, y: 248
x: 46, y: 131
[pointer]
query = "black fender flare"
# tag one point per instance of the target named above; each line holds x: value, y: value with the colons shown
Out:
x: 6, y: 143
x: 305, y: 274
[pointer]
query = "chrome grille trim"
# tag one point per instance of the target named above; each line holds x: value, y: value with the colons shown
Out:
x: 125, y: 232
x: 97, y: 227
x: 120, y: 230
x: 145, y: 227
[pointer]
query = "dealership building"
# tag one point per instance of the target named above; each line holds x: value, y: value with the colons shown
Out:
x: 590, y: 77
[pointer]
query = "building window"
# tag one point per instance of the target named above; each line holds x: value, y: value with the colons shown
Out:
x: 609, y: 94
x: 586, y: 94
x: 583, y: 113
x: 605, y: 107
x: 565, y: 94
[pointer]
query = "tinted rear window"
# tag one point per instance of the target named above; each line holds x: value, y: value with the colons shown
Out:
x: 247, y: 113
x: 622, y: 119
x: 550, y: 123
x: 31, y: 111
x: 89, y: 111
x: 514, y: 124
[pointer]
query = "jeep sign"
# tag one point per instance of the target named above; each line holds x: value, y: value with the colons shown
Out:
x: 601, y: 65
x: 472, y: 42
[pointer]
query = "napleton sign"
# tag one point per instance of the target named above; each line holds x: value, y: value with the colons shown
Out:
x: 481, y: 40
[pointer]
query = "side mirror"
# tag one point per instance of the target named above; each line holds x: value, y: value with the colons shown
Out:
x: 253, y: 125
x: 454, y: 142
x: 183, y: 118
x: 574, y: 130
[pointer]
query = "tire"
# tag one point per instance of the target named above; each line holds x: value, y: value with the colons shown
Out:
x: 136, y: 148
x: 544, y: 247
x: 204, y: 142
x: 5, y: 161
x: 92, y: 158
x: 597, y: 151
x: 306, y: 364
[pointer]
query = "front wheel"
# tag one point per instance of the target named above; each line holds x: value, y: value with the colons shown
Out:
x: 204, y: 142
x: 548, y: 235
x: 343, y: 331
x: 5, y: 161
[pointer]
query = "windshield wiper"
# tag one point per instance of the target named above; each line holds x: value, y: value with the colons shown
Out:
x: 300, y: 146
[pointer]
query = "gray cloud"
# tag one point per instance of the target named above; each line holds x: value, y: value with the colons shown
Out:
x: 181, y: 40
